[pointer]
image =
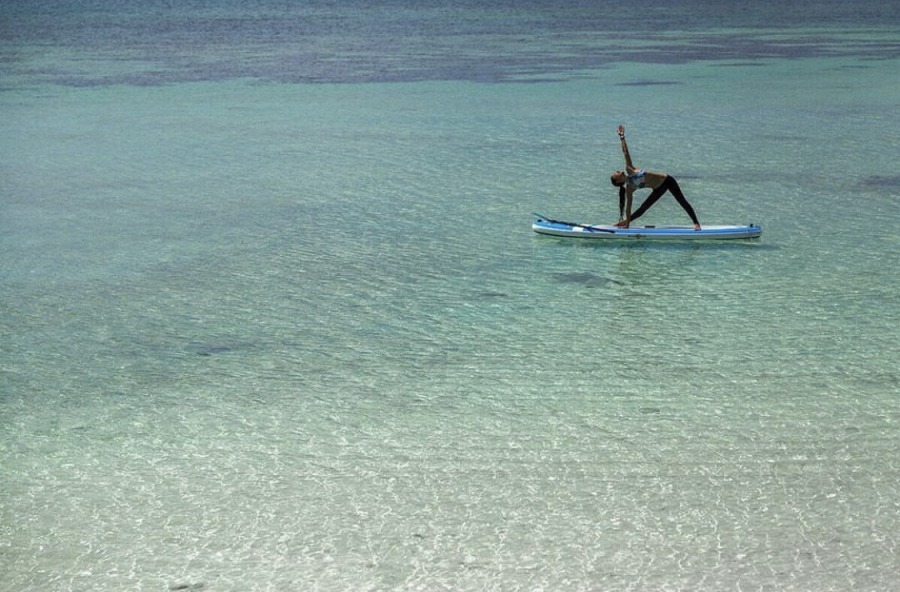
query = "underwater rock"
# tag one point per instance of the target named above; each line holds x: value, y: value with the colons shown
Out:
x: 191, y: 586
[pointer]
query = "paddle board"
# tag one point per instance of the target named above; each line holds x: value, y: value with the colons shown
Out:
x: 575, y: 230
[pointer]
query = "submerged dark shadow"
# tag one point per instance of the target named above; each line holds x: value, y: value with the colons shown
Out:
x: 586, y: 279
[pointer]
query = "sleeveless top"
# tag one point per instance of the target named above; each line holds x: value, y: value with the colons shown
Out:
x: 637, y: 179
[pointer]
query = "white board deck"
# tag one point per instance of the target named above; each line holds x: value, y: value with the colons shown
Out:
x: 603, y: 232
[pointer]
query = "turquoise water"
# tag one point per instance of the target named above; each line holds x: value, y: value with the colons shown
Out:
x: 267, y: 334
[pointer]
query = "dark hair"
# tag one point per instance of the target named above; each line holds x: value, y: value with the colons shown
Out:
x: 612, y: 179
x: 621, y: 202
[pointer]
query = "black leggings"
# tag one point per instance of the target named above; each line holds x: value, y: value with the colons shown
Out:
x: 671, y: 185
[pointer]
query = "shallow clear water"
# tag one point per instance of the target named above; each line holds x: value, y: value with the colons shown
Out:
x: 261, y: 333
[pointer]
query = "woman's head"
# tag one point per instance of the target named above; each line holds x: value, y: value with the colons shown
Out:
x: 618, y: 179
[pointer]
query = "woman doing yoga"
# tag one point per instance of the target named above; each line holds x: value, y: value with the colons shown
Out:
x: 633, y: 178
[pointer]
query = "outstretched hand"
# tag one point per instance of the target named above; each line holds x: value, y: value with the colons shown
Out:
x: 621, y: 130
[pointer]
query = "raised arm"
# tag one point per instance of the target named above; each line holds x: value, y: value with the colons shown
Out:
x: 629, y: 166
